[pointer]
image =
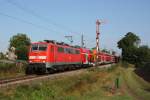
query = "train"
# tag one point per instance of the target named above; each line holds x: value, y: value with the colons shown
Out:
x: 49, y: 56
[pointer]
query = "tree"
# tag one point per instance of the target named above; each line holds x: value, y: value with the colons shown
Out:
x: 105, y: 50
x: 21, y: 43
x: 128, y: 44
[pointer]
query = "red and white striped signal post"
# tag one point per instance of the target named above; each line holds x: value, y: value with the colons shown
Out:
x: 97, y: 40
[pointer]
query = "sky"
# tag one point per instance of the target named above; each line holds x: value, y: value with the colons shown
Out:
x: 55, y: 19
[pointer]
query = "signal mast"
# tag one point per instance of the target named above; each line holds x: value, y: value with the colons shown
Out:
x: 97, y: 40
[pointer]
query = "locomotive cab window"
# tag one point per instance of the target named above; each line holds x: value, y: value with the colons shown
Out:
x: 34, y: 47
x: 38, y: 47
x: 42, y: 47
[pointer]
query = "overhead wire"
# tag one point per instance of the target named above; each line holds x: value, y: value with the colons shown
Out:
x: 33, y: 13
x: 27, y: 22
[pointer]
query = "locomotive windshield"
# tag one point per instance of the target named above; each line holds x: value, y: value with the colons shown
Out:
x: 38, y: 47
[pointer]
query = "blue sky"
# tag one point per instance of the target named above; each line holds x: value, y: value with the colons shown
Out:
x: 53, y: 19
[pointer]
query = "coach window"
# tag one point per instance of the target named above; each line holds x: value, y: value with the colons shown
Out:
x: 77, y: 52
x: 74, y: 51
x: 71, y: 51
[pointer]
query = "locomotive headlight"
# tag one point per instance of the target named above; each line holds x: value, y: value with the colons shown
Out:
x: 32, y: 57
x: 30, y: 61
x: 43, y: 61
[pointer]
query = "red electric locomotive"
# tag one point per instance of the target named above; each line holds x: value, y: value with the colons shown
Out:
x: 49, y: 56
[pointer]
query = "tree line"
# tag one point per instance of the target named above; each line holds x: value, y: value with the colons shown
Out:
x: 132, y: 51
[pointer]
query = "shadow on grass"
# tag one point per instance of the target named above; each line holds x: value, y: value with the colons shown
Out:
x: 144, y: 72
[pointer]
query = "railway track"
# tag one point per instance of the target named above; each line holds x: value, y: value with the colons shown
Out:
x: 4, y: 81
x: 30, y: 78
x: 11, y: 81
x: 27, y: 79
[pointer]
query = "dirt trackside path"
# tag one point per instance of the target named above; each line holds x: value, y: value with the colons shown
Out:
x: 134, y: 85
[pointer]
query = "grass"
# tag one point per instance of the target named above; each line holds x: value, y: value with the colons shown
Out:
x: 92, y: 84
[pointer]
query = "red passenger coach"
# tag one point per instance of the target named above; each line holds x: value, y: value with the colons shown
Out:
x: 50, y: 56
x: 103, y: 58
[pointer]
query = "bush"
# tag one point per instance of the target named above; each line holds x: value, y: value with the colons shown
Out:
x: 6, y: 66
x: 12, y: 67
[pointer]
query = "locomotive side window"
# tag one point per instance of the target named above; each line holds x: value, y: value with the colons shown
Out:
x: 60, y: 49
x: 72, y: 51
x: 67, y: 50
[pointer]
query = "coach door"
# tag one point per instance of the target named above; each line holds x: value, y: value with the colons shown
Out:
x: 86, y: 58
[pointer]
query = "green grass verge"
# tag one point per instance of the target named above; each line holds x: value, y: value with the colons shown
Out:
x: 92, y: 84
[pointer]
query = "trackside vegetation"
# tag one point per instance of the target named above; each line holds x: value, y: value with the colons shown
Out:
x: 8, y: 70
x: 92, y: 84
